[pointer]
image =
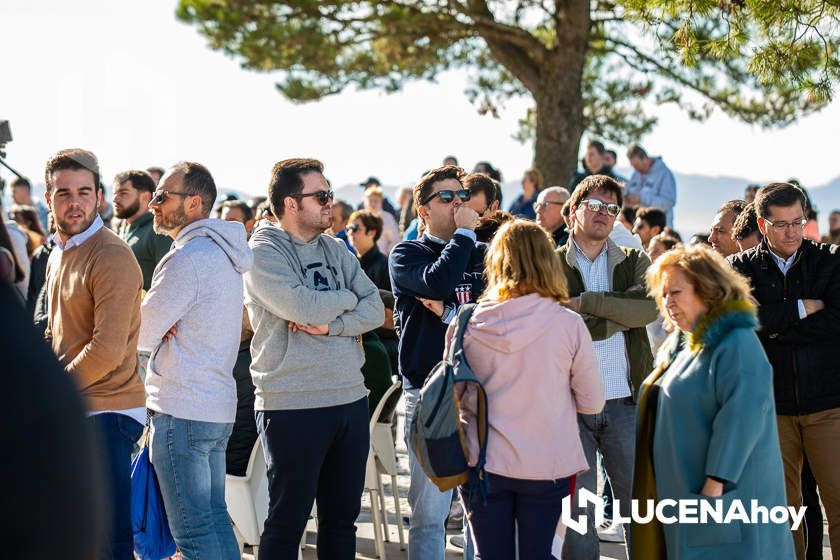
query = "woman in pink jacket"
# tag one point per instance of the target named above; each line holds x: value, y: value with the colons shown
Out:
x: 537, y: 364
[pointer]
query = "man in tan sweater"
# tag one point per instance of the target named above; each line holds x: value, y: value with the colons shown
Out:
x: 93, y: 287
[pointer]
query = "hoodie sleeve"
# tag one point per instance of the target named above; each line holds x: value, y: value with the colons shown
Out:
x: 274, y: 285
x: 369, y: 312
x: 173, y: 291
x: 585, y: 377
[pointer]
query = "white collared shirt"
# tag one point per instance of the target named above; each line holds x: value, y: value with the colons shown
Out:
x: 463, y: 231
x: 784, y: 265
x: 79, y: 238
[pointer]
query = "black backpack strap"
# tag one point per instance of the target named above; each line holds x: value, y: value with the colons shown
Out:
x: 461, y: 321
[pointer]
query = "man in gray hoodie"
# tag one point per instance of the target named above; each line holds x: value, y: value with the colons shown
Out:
x: 309, y: 301
x: 191, y: 320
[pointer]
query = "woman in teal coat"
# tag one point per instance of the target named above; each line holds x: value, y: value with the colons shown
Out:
x: 707, y: 419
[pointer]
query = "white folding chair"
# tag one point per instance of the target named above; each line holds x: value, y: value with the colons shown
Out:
x: 247, y: 501
x: 382, y: 460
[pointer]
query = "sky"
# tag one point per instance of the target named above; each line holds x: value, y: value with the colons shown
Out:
x: 131, y: 83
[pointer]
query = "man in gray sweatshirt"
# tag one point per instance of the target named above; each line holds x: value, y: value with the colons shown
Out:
x: 190, y: 321
x: 309, y: 301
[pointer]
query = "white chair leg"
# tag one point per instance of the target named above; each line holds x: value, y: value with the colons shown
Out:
x: 385, y: 531
x: 377, y: 524
x: 396, y: 491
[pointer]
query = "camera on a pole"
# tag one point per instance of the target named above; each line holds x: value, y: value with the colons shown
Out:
x: 5, y: 136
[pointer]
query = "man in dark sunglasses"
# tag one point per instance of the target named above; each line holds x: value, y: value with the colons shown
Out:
x: 309, y: 301
x: 191, y: 324
x: 431, y: 278
x: 606, y: 286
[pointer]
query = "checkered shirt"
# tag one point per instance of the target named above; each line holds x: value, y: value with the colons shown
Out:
x: 611, y: 352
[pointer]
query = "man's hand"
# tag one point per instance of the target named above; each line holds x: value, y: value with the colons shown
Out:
x: 465, y: 217
x: 315, y: 330
x: 173, y: 330
x: 573, y: 304
x: 433, y: 305
x: 813, y: 305
x: 632, y: 200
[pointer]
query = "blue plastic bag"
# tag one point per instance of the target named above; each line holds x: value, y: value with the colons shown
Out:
x: 152, y: 537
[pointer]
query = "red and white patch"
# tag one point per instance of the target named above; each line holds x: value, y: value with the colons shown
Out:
x: 464, y: 293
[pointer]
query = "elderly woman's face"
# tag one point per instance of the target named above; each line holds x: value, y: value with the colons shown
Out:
x: 679, y: 300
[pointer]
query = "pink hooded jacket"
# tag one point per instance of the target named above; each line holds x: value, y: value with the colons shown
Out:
x: 536, y: 361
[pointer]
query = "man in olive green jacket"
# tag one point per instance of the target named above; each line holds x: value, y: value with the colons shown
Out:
x: 606, y: 286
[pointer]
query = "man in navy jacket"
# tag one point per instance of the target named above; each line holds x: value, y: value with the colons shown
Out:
x: 431, y: 278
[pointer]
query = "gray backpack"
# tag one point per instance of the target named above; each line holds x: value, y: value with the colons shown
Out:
x: 436, y: 434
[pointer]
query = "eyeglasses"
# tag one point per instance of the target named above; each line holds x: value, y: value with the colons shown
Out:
x: 540, y: 205
x: 782, y: 226
x: 321, y: 196
x: 447, y: 196
x: 160, y: 196
x: 596, y: 207
x: 352, y: 228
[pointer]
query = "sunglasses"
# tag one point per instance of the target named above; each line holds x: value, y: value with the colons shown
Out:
x: 160, y: 196
x: 321, y: 196
x: 596, y: 207
x: 352, y: 227
x: 540, y: 205
x: 447, y: 196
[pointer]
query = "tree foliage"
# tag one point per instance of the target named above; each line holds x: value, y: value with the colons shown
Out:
x: 589, y: 65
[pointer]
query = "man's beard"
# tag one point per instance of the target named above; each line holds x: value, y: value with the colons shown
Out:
x: 75, y: 229
x: 127, y: 211
x: 169, y: 222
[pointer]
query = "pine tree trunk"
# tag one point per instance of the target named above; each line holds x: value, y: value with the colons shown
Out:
x: 558, y: 133
x: 559, y: 99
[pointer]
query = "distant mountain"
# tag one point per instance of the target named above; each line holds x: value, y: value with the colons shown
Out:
x: 698, y: 198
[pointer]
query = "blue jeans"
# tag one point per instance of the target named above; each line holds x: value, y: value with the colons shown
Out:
x: 189, y: 459
x: 117, y: 434
x: 429, y: 506
x: 613, y: 433
x: 530, y: 506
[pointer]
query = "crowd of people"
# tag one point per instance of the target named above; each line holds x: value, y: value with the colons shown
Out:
x: 608, y: 347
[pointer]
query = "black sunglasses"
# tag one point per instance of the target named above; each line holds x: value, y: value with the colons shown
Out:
x: 160, y: 196
x: 321, y: 196
x: 596, y: 207
x: 447, y: 196
x: 352, y: 227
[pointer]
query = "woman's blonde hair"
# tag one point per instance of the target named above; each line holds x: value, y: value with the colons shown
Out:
x: 521, y: 260
x: 714, y: 280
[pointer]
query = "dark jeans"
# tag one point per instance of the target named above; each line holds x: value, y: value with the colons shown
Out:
x: 316, y: 454
x: 117, y: 434
x: 244, y: 434
x: 532, y: 506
